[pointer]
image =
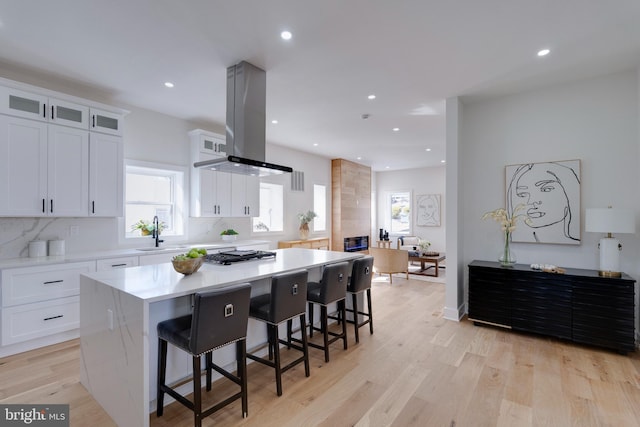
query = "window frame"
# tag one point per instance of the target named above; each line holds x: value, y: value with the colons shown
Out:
x: 323, y: 214
x: 389, y: 212
x: 271, y: 232
x: 180, y: 200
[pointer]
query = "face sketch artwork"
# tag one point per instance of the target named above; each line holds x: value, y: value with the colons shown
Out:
x: 428, y: 210
x: 550, y: 193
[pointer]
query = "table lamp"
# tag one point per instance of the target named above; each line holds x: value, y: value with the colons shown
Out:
x: 610, y: 220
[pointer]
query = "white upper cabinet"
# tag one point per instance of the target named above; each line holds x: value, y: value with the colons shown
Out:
x: 23, y: 165
x: 106, y: 122
x: 210, y: 190
x: 208, y: 144
x: 68, y: 171
x: 29, y: 105
x: 45, y: 169
x: 245, y: 195
x: 49, y: 147
x: 106, y: 175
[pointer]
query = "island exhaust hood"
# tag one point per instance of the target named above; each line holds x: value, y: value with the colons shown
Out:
x: 245, y: 141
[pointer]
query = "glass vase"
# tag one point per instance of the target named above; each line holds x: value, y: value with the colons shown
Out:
x: 507, y: 257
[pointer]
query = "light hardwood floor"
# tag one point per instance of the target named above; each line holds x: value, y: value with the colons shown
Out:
x: 417, y: 369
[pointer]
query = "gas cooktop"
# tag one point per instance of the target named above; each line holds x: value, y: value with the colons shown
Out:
x: 228, y: 257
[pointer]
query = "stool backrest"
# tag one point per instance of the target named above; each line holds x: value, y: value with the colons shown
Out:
x: 333, y: 285
x: 219, y: 317
x: 361, y: 274
x: 288, y: 295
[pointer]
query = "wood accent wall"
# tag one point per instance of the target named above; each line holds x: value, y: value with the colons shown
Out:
x: 350, y: 202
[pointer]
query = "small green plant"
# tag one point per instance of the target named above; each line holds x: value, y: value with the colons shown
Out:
x: 228, y: 232
x: 146, y: 227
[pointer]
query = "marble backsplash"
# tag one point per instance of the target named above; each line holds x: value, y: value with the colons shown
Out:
x: 98, y: 234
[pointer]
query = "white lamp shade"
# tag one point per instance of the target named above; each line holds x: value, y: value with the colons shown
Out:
x: 610, y: 220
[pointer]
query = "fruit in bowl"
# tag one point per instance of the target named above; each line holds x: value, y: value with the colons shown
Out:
x: 190, y: 262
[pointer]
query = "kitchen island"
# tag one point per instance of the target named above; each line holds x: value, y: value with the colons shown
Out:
x: 119, y: 311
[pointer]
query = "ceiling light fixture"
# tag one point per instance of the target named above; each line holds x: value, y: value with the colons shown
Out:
x: 427, y: 149
x: 396, y: 129
x: 543, y: 52
x: 359, y: 158
x: 275, y: 122
x: 315, y: 144
x: 168, y: 84
x: 372, y: 96
x: 286, y: 35
x: 442, y: 161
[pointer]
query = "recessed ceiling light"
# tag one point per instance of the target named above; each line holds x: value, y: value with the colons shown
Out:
x: 396, y: 129
x: 286, y: 35
x: 427, y: 149
x: 386, y: 167
x: 543, y: 52
x: 275, y: 122
x: 372, y: 96
x: 359, y: 158
x: 315, y: 144
x: 168, y: 84
x: 442, y: 161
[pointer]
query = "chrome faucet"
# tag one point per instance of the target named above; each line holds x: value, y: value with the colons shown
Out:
x: 156, y: 231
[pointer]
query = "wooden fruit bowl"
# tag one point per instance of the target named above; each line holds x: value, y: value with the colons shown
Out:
x: 187, y: 266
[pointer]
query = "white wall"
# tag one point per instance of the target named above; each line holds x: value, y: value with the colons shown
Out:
x: 593, y: 120
x: 417, y: 181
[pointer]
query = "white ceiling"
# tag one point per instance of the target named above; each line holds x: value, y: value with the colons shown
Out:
x: 412, y: 54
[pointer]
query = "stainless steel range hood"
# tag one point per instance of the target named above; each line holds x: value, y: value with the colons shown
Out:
x: 245, y: 142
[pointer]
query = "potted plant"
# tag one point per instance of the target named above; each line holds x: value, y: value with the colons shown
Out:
x: 424, y: 246
x: 229, y: 235
x: 146, y: 227
x: 305, y: 219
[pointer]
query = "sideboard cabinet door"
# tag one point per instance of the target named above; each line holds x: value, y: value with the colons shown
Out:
x: 490, y: 295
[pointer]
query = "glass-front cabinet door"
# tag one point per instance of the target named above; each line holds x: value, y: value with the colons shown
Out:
x: 68, y: 113
x: 19, y: 103
x: 106, y: 122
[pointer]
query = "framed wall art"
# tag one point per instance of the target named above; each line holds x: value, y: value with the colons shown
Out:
x: 428, y: 210
x: 550, y: 195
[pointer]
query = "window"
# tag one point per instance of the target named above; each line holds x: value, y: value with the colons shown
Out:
x: 271, y: 209
x: 320, y: 207
x: 152, y: 191
x: 400, y: 212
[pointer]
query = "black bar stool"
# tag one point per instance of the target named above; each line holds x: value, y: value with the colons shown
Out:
x: 359, y: 282
x: 219, y: 318
x: 286, y: 301
x: 331, y: 288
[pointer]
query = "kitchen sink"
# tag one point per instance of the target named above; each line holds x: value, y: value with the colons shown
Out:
x: 165, y: 248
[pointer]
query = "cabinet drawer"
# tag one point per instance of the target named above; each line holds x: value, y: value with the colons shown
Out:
x: 110, y: 263
x: 33, y: 284
x: 29, y: 321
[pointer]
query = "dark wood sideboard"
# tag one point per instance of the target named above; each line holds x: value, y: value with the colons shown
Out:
x: 579, y: 305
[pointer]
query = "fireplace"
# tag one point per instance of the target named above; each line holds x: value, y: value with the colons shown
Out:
x: 356, y: 244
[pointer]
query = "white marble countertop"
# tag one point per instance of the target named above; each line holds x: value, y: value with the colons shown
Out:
x: 92, y: 256
x: 159, y: 282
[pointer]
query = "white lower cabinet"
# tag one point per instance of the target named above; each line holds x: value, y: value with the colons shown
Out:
x: 40, y: 319
x: 41, y: 301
